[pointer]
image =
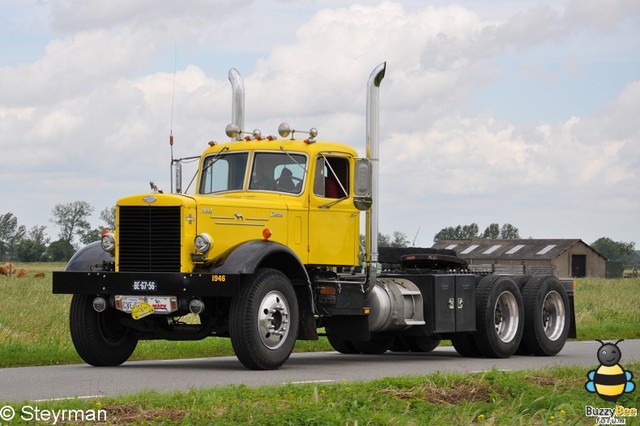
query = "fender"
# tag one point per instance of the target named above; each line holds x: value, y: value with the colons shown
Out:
x: 249, y: 256
x: 90, y: 258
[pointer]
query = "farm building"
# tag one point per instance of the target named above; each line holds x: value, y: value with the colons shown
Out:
x: 563, y: 258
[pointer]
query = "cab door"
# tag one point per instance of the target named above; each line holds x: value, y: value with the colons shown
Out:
x: 334, y: 222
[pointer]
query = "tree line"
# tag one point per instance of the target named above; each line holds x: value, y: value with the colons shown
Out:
x: 472, y: 231
x: 17, y: 243
x: 34, y: 245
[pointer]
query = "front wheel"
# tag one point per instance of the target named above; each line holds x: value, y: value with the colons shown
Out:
x: 263, y: 320
x: 99, y: 337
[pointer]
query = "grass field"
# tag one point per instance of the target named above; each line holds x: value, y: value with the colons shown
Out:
x: 554, y: 396
x: 34, y: 331
x: 34, y: 323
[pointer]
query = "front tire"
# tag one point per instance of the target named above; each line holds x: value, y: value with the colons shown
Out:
x: 263, y: 320
x: 99, y: 337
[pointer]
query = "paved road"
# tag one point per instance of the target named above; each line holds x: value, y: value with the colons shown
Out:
x: 67, y: 381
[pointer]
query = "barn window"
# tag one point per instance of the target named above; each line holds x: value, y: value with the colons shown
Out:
x: 492, y: 249
x: 470, y: 249
x: 450, y: 246
x: 515, y: 249
x: 546, y: 249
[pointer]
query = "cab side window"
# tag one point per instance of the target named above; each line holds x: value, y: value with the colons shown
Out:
x: 332, y: 177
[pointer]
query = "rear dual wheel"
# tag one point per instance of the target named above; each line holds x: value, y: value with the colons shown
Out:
x: 499, y: 316
x: 499, y: 320
x: 377, y: 345
x: 547, y: 316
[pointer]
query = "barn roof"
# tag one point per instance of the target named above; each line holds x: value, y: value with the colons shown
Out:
x: 525, y: 249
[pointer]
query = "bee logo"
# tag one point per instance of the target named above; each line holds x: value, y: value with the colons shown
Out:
x: 609, y: 381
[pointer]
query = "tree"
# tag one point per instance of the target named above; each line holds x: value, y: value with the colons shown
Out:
x: 465, y: 232
x: 509, y: 232
x: 399, y: 239
x: 10, y: 235
x: 615, y: 250
x: 492, y: 231
x: 108, y: 216
x: 470, y: 232
x: 448, y: 233
x: 60, y: 251
x: 71, y: 218
x: 34, y: 247
x: 384, y: 240
x: 90, y: 236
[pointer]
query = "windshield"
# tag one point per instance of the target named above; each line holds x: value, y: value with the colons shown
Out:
x: 223, y: 172
x: 280, y: 172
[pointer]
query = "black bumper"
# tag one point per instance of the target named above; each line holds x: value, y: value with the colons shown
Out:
x: 146, y: 283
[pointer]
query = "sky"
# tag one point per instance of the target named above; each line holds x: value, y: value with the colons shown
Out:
x: 491, y: 111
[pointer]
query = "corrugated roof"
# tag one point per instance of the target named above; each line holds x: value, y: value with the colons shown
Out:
x: 509, y: 249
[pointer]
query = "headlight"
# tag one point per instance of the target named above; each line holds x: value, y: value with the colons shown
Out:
x: 202, y: 242
x: 108, y: 242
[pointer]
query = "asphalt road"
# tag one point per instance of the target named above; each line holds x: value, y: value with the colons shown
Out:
x: 80, y: 380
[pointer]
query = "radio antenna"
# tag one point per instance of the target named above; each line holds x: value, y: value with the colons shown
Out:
x: 413, y: 244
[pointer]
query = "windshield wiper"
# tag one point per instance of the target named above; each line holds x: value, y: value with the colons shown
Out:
x: 208, y: 166
x: 293, y: 159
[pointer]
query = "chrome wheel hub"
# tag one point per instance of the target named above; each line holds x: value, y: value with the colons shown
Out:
x: 273, y: 320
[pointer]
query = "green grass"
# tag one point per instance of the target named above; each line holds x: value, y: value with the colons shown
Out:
x: 34, y: 323
x: 608, y: 309
x: 554, y: 396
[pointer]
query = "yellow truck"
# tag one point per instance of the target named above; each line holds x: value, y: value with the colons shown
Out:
x: 266, y: 250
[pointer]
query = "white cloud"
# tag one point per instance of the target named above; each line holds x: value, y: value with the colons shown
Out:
x: 93, y: 113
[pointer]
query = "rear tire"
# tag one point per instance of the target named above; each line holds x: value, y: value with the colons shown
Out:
x: 465, y: 345
x: 547, y: 316
x: 99, y: 337
x: 263, y: 320
x: 423, y: 344
x: 343, y: 346
x: 499, y: 316
x: 375, y: 346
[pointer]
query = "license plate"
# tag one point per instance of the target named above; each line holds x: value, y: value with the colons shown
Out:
x: 160, y: 304
x: 142, y: 285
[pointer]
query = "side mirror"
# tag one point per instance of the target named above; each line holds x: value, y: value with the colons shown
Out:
x: 362, y: 184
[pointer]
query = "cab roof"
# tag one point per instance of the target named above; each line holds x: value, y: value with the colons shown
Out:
x: 277, y: 145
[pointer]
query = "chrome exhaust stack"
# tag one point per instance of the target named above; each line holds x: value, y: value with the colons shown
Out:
x: 237, y: 101
x: 373, y: 154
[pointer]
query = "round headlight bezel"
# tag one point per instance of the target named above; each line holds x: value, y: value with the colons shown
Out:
x: 108, y: 242
x: 202, y: 242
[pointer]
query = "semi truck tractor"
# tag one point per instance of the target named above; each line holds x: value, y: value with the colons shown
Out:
x: 265, y: 250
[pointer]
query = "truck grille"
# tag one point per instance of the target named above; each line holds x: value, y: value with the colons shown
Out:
x: 149, y: 239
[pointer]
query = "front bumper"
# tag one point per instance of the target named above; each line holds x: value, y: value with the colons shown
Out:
x: 146, y: 283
